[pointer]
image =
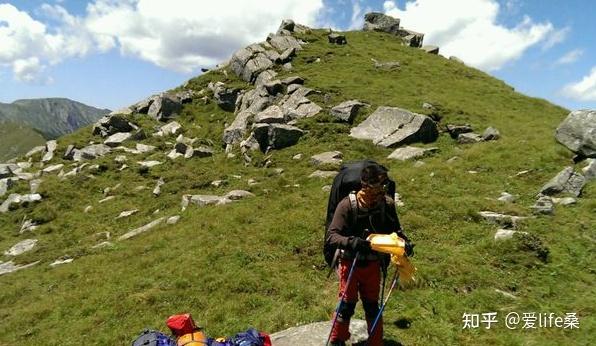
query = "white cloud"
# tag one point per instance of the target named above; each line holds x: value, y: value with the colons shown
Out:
x: 584, y: 90
x: 180, y: 35
x: 570, y: 57
x: 469, y: 30
x: 556, y: 37
x: 183, y: 35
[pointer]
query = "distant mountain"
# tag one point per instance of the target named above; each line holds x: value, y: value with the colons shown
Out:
x: 52, y: 117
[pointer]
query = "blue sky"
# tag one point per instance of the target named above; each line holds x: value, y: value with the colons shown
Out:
x: 112, y: 53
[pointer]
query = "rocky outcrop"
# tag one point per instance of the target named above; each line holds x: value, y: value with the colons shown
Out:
x: 376, y: 21
x: 224, y: 97
x: 567, y: 181
x: 112, y: 124
x: 91, y: 152
x: 49, y: 151
x: 578, y: 132
x: 392, y: 126
x: 163, y: 106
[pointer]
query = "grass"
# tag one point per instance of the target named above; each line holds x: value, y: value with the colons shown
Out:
x: 258, y: 262
x: 17, y: 139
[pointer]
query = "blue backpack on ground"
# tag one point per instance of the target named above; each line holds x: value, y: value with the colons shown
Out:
x: 153, y: 338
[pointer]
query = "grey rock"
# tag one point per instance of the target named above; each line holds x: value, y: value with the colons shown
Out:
x: 127, y: 213
x: 36, y: 150
x: 143, y: 148
x: 409, y: 152
x: 170, y: 128
x: 9, y: 267
x: 34, y: 185
x: 328, y: 160
x: 323, y: 174
x: 410, y: 38
x: 142, y: 229
x: 315, y: 334
x: 430, y: 49
x: 298, y: 104
x: 5, y: 171
x: 337, y: 39
x: 564, y: 201
x: 120, y: 159
x: 5, y: 184
x: 503, y: 220
x: 506, y: 197
x: 142, y: 107
x: 203, y: 200
x: 117, y: 138
x: 456, y: 130
x: 91, y: 152
x: 469, y: 138
x: 235, y: 132
x: 21, y: 247
x: 283, y: 42
x: 347, y: 110
x: 224, y: 97
x: 235, y: 195
x: 201, y: 151
x: 173, y: 155
x: 158, y: 185
x: 281, y: 136
x: 388, y: 65
x: 578, y: 132
x: 274, y: 87
x: 292, y: 80
x: 544, y: 205
x: 28, y: 226
x: 287, y: 66
x: 61, y: 261
x: 257, y: 64
x: 273, y: 114
x: 567, y: 181
x: 149, y: 164
x: 428, y: 106
x: 112, y: 124
x: 165, y: 107
x: 181, y: 148
x: 69, y: 153
x: 376, y: 21
x: 172, y: 220
x: 15, y: 198
x: 392, y: 126
x: 590, y: 169
x: 504, y: 234
x: 287, y: 24
x: 52, y: 168
x: 286, y: 56
x: 265, y: 77
x: 109, y: 198
x: 491, y: 134
x: 49, y: 153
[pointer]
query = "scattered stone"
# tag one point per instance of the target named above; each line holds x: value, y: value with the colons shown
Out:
x: 388, y: 65
x: 143, y: 148
x: 524, y: 172
x: 347, y: 110
x: 252, y: 182
x: 323, y: 174
x: 111, y: 124
x: 21, y: 247
x: 508, y: 221
x: 456, y: 130
x: 36, y: 150
x: 328, y: 160
x: 274, y: 87
x: 120, y: 158
x: 506, y: 197
x: 544, y: 205
x: 109, y: 198
x: 202, y: 200
x: 9, y: 267
x: 170, y: 128
x: 409, y: 152
x: 142, y: 229
x: 392, y: 126
x: 326, y: 188
x: 149, y: 164
x: 15, y: 198
x: 235, y: 195
x: 506, y: 294
x: 123, y: 167
x: 279, y: 171
x: 590, y: 169
x: 91, y: 152
x: 315, y: 334
x: 28, y: 226
x: 173, y: 220
x: 273, y: 114
x: 87, y: 209
x: 430, y: 49
x: 564, y: 201
x: 376, y: 21
x: 398, y: 201
x: 337, y: 39
x: 164, y: 107
x: 174, y: 154
x: 62, y: 260
x: 200, y: 152
x: 491, y: 134
x: 5, y: 184
x: 127, y: 213
x: 427, y: 106
x: 102, y: 245
x: 49, y: 152
x: 117, y: 138
x: 578, y: 132
x: 504, y: 234
x: 297, y: 157
x: 567, y: 181
x: 52, y: 168
x: 218, y: 183
x: 157, y: 189
x: 469, y: 138
x: 224, y: 97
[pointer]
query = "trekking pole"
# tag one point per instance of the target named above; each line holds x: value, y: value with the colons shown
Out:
x: 384, y: 269
x: 341, y: 298
x: 374, y: 326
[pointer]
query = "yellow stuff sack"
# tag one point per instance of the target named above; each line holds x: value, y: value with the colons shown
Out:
x: 395, y: 246
x: 196, y: 338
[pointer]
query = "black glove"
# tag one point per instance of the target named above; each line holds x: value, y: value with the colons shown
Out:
x: 410, y: 249
x: 359, y: 245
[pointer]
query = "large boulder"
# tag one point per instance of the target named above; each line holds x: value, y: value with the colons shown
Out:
x: 283, y: 42
x: 224, y: 97
x: 376, y: 21
x: 567, y: 181
x: 578, y: 132
x: 411, y: 38
x: 165, y: 107
x: 112, y: 124
x: 392, y: 127
x: 315, y: 334
x: 281, y: 136
x: 117, y: 138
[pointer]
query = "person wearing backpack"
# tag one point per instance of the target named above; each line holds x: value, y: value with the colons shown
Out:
x: 367, y: 211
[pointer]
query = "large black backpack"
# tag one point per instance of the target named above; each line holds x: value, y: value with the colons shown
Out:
x: 346, y: 181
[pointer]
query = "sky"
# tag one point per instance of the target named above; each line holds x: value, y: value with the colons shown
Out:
x: 113, y: 53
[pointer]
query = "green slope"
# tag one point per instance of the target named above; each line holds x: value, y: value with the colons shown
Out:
x: 16, y: 139
x: 258, y: 262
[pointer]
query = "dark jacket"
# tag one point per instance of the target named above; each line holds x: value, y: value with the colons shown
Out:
x: 382, y: 219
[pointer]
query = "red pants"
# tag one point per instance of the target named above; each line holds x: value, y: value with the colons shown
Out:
x: 366, y: 282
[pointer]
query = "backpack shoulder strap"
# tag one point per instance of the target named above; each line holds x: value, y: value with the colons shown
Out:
x: 353, y: 206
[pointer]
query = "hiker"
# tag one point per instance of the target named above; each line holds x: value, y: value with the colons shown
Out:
x: 375, y: 213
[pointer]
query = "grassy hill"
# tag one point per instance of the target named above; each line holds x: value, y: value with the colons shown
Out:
x: 258, y: 262
x: 17, y: 139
